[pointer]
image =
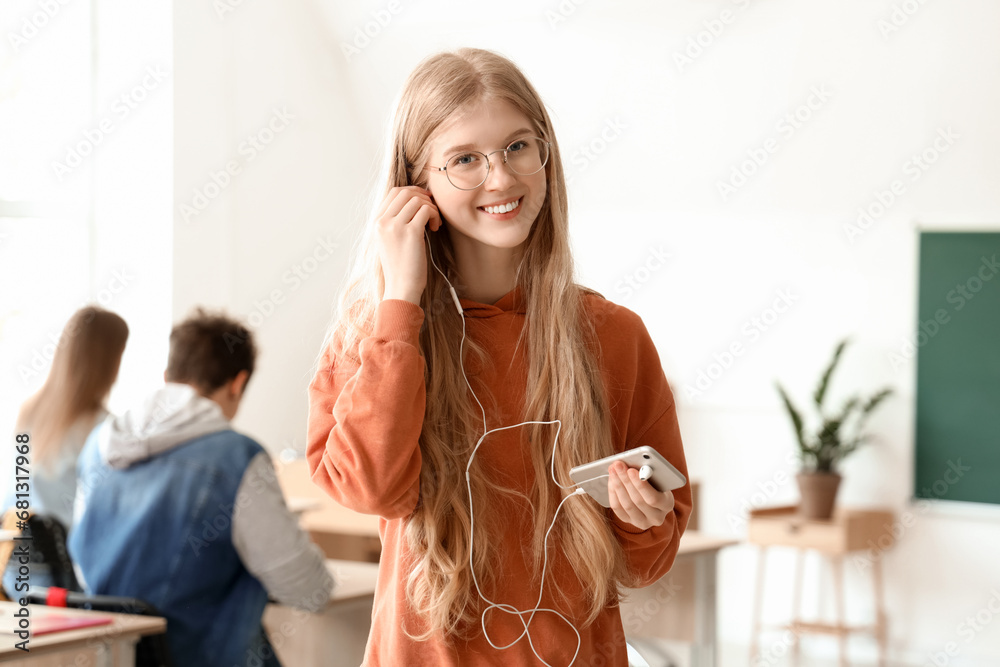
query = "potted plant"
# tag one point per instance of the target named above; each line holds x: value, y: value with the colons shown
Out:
x: 821, y: 451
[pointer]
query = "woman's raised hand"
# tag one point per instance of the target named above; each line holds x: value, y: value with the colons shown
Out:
x: 635, y: 501
x: 401, y: 219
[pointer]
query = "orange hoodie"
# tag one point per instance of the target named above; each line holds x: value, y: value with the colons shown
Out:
x: 362, y: 449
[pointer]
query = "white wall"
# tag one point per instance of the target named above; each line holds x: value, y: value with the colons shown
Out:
x: 131, y: 254
x: 86, y: 157
x: 646, y: 142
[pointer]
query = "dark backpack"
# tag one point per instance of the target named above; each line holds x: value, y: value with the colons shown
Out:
x: 47, y: 551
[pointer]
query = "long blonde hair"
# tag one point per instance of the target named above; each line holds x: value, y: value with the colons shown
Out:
x: 564, y: 379
x: 84, y: 368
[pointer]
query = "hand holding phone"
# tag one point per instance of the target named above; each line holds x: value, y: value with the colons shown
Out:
x: 634, y: 501
x: 593, y: 477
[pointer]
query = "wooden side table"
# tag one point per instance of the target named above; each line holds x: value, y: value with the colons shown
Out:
x: 850, y: 529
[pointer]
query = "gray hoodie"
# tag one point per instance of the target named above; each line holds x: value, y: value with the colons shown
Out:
x: 265, y: 534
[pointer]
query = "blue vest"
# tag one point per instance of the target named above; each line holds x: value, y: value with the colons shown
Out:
x: 160, y: 530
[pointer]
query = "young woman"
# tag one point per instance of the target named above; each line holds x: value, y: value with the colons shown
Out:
x: 60, y: 416
x: 457, y: 418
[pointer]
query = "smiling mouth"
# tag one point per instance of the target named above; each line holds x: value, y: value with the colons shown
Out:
x: 502, y: 208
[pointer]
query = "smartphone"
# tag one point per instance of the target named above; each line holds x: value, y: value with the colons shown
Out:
x: 665, y: 477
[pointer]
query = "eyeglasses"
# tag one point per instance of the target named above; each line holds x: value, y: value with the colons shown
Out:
x: 469, y: 170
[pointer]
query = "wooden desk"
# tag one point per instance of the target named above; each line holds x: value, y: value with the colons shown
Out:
x: 301, y: 504
x: 102, y: 645
x: 682, y: 604
x: 850, y: 529
x: 334, y: 637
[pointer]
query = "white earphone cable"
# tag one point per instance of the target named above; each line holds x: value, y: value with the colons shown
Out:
x: 495, y: 605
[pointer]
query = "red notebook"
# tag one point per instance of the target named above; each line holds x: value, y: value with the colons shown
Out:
x: 43, y: 624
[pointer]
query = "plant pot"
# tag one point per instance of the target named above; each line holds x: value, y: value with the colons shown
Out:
x: 818, y: 493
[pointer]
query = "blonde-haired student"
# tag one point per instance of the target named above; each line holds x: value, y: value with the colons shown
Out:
x: 488, y: 556
x: 58, y: 418
x: 71, y: 402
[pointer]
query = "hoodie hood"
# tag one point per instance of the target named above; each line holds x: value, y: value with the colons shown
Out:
x: 169, y: 417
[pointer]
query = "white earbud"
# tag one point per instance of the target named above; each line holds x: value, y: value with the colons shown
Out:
x: 645, y: 472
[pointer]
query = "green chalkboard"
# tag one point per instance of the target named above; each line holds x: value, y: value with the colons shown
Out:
x: 957, y: 343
